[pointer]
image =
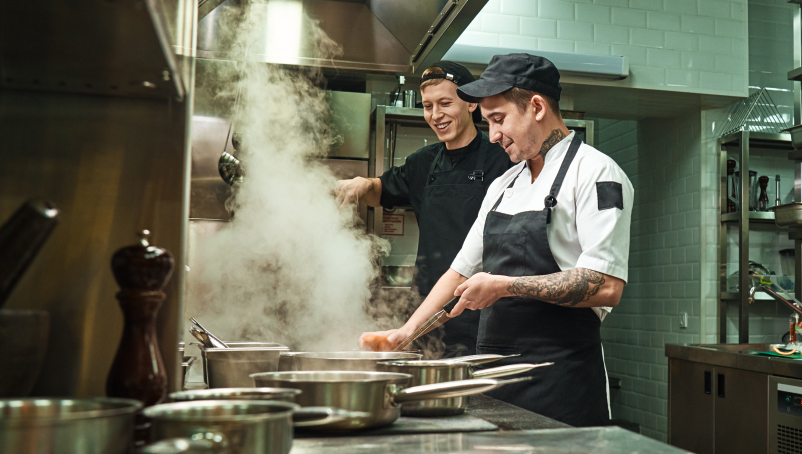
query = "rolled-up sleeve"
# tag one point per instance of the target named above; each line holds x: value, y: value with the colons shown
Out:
x: 603, y: 214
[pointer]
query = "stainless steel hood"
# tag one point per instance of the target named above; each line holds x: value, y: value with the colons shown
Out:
x: 380, y: 36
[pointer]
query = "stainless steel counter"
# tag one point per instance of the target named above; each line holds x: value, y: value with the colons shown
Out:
x: 737, y: 356
x: 598, y: 440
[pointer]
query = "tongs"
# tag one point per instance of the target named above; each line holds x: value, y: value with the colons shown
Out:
x: 203, y: 335
x: 434, y: 321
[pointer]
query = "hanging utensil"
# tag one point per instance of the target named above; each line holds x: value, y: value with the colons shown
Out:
x: 216, y: 342
x: 434, y: 321
x: 21, y: 237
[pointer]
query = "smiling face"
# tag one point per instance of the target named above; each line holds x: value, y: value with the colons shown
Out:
x: 449, y: 116
x: 517, y: 131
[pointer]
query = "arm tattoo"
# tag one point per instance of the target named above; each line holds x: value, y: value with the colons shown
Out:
x: 567, y: 288
x: 553, y: 139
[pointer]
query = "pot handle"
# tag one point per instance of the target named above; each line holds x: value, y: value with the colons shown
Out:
x: 444, y: 390
x: 478, y: 359
x: 321, y: 416
x: 503, y: 371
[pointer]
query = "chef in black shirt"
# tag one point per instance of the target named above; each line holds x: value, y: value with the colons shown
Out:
x: 444, y: 183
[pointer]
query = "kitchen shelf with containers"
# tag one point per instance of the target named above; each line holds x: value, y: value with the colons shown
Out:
x: 751, y: 242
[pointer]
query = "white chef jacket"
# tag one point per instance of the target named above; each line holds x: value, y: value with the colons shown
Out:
x: 581, y: 235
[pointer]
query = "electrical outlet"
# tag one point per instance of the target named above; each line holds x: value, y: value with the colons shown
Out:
x: 683, y: 320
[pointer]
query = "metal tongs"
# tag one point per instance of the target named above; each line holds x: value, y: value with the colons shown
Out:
x: 205, y: 336
x: 434, y: 321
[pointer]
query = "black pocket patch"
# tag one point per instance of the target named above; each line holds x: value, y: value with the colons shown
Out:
x: 610, y: 195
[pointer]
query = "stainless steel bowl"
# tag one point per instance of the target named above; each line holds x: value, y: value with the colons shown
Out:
x: 67, y: 426
x: 347, y: 360
x: 281, y: 394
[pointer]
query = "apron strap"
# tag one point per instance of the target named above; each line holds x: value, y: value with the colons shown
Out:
x: 432, y: 168
x: 479, y: 173
x: 551, y: 200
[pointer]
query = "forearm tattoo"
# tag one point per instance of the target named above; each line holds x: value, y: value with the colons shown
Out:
x: 566, y: 288
x: 553, y: 139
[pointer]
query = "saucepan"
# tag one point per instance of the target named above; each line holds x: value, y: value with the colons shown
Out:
x: 431, y: 372
x: 345, y: 360
x: 378, y: 394
x: 230, y: 367
x: 239, y: 426
x: 281, y: 394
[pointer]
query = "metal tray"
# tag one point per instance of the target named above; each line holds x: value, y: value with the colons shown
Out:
x: 796, y: 135
x: 788, y: 215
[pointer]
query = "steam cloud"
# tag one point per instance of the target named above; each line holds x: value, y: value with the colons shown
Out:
x: 291, y: 267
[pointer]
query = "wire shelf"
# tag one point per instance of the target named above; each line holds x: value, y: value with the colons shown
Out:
x: 756, y: 113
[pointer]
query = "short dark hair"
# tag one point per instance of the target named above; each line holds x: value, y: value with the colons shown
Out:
x: 521, y: 97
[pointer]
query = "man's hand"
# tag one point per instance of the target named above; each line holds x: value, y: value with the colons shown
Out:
x: 382, y: 341
x: 351, y: 191
x: 479, y: 292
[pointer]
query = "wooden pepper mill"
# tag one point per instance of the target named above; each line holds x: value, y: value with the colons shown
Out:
x: 138, y: 371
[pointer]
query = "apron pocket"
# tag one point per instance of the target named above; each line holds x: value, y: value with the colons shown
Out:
x: 510, y: 246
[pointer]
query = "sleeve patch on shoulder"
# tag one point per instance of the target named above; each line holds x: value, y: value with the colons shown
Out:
x: 610, y: 195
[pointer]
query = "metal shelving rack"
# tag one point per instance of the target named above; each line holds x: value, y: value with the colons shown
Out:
x: 743, y: 218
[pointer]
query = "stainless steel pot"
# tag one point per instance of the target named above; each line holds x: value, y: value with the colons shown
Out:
x: 286, y: 361
x: 56, y: 426
x: 347, y: 360
x: 230, y: 367
x: 281, y: 394
x: 431, y: 372
x: 238, y: 426
x: 378, y: 394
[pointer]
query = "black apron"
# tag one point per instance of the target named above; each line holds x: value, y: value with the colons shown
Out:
x: 574, y: 389
x: 450, y: 204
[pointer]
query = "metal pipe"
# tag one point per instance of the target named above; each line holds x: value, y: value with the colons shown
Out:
x: 774, y: 295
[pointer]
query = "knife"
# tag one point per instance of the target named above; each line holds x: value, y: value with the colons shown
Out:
x: 434, y: 321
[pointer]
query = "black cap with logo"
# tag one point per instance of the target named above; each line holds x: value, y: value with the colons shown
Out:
x: 459, y: 75
x: 514, y: 70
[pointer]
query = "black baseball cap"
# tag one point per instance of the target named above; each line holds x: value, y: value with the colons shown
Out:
x: 525, y: 71
x: 459, y: 75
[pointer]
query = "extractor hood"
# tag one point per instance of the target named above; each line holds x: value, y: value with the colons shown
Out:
x: 380, y: 36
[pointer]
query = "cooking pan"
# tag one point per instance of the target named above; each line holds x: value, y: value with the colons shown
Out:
x: 378, y: 394
x: 431, y: 372
x: 281, y: 394
x: 346, y: 360
x: 238, y: 426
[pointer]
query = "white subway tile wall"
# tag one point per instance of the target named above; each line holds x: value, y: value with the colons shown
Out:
x: 662, y: 38
x: 662, y: 159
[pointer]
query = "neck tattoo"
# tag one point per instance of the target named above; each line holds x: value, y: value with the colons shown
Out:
x: 554, y: 138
